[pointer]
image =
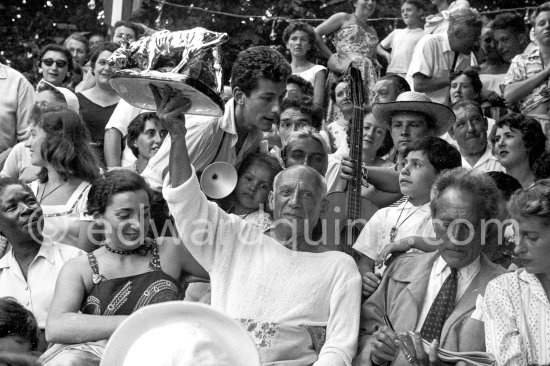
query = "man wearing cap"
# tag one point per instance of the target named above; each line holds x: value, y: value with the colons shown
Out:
x: 470, y: 133
x: 436, y: 55
x: 298, y: 301
x: 436, y: 293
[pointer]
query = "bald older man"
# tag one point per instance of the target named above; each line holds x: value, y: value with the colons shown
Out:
x: 299, y: 302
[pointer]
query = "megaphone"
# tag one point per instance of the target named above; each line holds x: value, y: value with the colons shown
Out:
x: 218, y: 180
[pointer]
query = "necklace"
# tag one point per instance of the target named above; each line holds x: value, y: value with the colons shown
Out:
x: 395, y: 228
x: 50, y: 192
x: 142, y: 250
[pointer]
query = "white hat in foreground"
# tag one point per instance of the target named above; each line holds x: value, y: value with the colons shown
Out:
x: 178, y: 333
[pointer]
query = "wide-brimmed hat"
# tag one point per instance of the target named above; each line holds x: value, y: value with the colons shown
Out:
x: 178, y: 333
x: 442, y: 116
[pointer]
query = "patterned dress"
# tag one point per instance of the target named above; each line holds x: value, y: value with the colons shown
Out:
x: 117, y: 296
x: 358, y: 45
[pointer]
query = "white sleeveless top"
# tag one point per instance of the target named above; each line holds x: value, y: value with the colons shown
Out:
x: 62, y: 222
x: 309, y: 74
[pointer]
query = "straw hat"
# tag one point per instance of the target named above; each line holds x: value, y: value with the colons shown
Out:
x: 70, y: 97
x: 441, y: 115
x: 178, y: 333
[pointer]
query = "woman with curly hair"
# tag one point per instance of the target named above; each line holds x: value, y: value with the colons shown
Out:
x: 518, y: 141
x: 299, y: 39
x: 55, y: 64
x: 60, y: 146
x: 94, y: 294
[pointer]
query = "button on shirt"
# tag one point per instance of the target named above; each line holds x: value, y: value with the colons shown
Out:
x: 36, y: 292
x: 433, y: 57
x: 440, y: 271
x: 204, y: 135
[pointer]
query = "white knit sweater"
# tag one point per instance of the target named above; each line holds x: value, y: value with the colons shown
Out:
x: 256, y: 279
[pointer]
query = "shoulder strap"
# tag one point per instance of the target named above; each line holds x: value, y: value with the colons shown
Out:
x: 93, y: 263
x: 219, y: 148
x: 154, y: 263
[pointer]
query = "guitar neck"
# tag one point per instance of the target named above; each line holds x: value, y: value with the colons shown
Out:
x: 353, y: 203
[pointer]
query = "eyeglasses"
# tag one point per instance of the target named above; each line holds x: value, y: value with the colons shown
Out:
x: 49, y: 62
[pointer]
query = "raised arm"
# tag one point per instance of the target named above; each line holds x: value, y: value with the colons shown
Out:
x: 330, y: 25
x: 65, y: 324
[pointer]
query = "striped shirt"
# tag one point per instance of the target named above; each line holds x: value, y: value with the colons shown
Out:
x: 516, y: 313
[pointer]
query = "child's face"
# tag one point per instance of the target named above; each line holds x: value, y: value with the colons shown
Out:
x: 253, y: 186
x: 417, y: 175
x: 410, y: 13
x: 15, y: 344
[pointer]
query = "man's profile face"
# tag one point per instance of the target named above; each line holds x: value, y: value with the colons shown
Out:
x: 292, y: 119
x: 297, y: 199
x: 306, y: 151
x: 385, y: 91
x: 457, y: 226
x: 261, y: 108
x: 508, y: 44
x: 470, y: 130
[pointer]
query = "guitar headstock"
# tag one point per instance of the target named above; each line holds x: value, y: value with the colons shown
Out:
x: 355, y: 86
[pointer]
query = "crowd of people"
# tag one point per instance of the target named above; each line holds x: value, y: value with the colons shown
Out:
x: 443, y: 161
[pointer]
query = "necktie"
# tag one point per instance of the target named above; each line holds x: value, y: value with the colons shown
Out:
x: 441, y: 308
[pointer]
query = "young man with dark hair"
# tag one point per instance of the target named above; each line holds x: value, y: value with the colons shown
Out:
x: 258, y: 81
x: 127, y: 29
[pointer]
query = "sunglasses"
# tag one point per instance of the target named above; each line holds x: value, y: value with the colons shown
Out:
x: 49, y: 62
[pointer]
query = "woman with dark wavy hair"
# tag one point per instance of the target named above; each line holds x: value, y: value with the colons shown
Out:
x: 60, y: 145
x: 299, y: 39
x: 518, y: 141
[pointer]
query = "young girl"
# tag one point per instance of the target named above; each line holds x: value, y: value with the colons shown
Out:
x: 95, y: 293
x: 256, y: 174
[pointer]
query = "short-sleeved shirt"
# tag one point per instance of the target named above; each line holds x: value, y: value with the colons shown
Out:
x: 410, y: 220
x: 523, y: 67
x: 15, y: 106
x: 433, y: 57
x: 36, y: 292
x: 401, y: 42
x: 204, y: 137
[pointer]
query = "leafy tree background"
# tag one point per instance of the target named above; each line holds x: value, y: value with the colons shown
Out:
x: 27, y: 25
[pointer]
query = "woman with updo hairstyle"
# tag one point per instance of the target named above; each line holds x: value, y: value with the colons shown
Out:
x: 59, y: 145
x: 518, y: 141
x: 145, y: 135
x: 98, y: 103
x: 96, y: 293
x: 299, y: 39
x: 516, y: 307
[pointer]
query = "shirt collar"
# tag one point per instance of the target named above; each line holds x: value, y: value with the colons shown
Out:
x: 228, y: 119
x: 46, y: 251
x: 466, y: 273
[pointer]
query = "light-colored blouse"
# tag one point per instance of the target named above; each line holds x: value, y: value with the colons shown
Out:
x: 62, y: 222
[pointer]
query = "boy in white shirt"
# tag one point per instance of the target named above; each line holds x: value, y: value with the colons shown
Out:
x: 423, y: 161
x: 402, y: 41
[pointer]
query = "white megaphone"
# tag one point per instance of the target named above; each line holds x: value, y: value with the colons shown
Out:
x: 218, y: 180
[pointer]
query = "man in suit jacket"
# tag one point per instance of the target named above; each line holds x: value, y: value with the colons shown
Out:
x: 461, y: 204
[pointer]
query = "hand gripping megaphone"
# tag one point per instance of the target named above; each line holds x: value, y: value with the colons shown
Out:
x: 218, y: 180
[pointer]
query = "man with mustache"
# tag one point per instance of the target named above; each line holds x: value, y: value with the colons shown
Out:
x: 470, y: 133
